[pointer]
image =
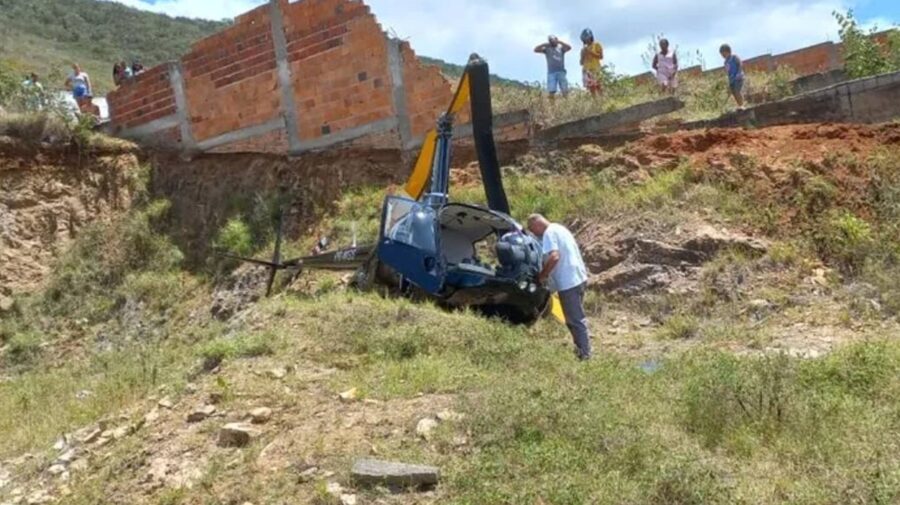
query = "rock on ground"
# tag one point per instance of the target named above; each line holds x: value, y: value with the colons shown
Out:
x: 261, y: 415
x: 373, y: 472
x: 237, y: 435
x: 425, y: 428
x: 201, y: 413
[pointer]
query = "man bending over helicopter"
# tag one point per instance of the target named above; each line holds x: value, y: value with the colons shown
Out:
x: 565, y: 273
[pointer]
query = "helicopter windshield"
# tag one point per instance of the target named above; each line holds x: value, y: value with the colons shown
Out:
x: 408, y: 222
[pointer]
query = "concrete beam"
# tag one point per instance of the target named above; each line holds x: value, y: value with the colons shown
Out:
x: 401, y: 110
x: 347, y: 135
x: 870, y: 100
x: 500, y: 121
x: 242, y: 134
x: 147, y: 129
x: 176, y: 79
x: 285, y: 80
x: 603, y: 123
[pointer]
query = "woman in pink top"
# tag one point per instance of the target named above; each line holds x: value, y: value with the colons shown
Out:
x: 666, y: 65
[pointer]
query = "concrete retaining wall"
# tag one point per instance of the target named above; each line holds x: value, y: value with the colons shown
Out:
x: 871, y: 100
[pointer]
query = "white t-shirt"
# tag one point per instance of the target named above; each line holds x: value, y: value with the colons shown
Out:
x: 80, y: 79
x: 570, y: 272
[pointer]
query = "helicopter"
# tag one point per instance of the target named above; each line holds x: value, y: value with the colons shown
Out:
x: 429, y: 246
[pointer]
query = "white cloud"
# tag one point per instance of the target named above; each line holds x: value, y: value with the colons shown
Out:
x: 506, y: 31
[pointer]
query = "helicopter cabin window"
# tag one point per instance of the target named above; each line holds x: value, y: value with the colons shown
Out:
x: 408, y: 222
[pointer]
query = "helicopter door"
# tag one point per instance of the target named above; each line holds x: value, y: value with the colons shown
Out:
x: 409, y: 243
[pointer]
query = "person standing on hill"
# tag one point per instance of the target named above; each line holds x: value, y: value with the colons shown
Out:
x: 734, y: 67
x: 79, y: 82
x: 555, y: 51
x: 592, y: 63
x: 565, y: 273
x: 34, y: 92
x: 665, y: 63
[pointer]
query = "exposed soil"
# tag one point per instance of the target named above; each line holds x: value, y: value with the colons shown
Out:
x: 209, y: 190
x: 46, y: 196
x: 770, y: 163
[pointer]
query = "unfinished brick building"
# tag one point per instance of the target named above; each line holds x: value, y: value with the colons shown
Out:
x: 287, y: 77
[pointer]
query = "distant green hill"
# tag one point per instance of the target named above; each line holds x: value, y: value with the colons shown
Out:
x: 456, y: 71
x: 46, y: 36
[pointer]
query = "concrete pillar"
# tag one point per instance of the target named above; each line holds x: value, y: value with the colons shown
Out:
x: 176, y: 80
x: 285, y: 82
x: 395, y: 65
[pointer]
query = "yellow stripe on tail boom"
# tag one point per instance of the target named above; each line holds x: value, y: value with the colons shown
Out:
x: 418, y: 181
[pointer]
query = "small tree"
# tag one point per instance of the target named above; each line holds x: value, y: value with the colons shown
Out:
x: 863, y: 56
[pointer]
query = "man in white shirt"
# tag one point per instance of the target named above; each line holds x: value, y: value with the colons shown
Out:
x: 565, y: 273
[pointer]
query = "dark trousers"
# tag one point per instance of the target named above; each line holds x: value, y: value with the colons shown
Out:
x: 573, y: 307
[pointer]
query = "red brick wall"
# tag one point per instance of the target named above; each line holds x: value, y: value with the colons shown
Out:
x: 428, y: 93
x: 230, y: 78
x: 764, y: 63
x: 339, y: 62
x: 809, y: 60
x: 145, y: 98
x: 338, y: 57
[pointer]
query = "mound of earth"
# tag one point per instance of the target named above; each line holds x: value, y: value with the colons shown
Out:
x: 773, y: 164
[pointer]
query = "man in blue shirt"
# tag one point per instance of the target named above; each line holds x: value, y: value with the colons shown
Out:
x: 734, y: 67
x: 565, y: 273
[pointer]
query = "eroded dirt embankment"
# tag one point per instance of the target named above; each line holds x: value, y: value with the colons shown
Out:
x: 48, y: 194
x: 207, y: 191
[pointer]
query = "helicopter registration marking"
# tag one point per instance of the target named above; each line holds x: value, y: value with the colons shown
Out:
x: 348, y: 255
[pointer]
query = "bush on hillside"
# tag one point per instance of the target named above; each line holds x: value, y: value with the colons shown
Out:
x: 85, y: 281
x: 863, y: 55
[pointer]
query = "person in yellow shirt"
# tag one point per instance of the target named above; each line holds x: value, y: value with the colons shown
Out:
x: 592, y: 63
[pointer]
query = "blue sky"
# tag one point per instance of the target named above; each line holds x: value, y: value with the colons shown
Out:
x: 505, y: 31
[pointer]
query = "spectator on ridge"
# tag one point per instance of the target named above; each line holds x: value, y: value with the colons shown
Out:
x: 118, y: 74
x: 665, y: 63
x: 136, y: 67
x: 555, y: 52
x: 34, y: 92
x: 734, y: 67
x: 79, y: 82
x: 33, y: 82
x: 592, y: 63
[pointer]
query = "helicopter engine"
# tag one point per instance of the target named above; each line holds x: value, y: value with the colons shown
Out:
x: 520, y: 257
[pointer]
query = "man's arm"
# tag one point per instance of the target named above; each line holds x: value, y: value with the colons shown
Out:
x: 540, y: 49
x: 87, y: 81
x: 656, y: 62
x: 549, y: 266
x: 565, y: 47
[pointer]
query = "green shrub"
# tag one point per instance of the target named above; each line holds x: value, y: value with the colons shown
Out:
x: 680, y: 327
x: 235, y: 237
x: 845, y: 240
x: 724, y: 394
x: 864, y: 370
x: 84, y: 281
x: 23, y: 347
x: 863, y: 55
x: 242, y: 346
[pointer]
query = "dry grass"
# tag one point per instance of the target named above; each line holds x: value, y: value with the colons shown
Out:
x: 705, y: 97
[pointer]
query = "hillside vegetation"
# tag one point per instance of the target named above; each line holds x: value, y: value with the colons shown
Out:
x: 47, y: 36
